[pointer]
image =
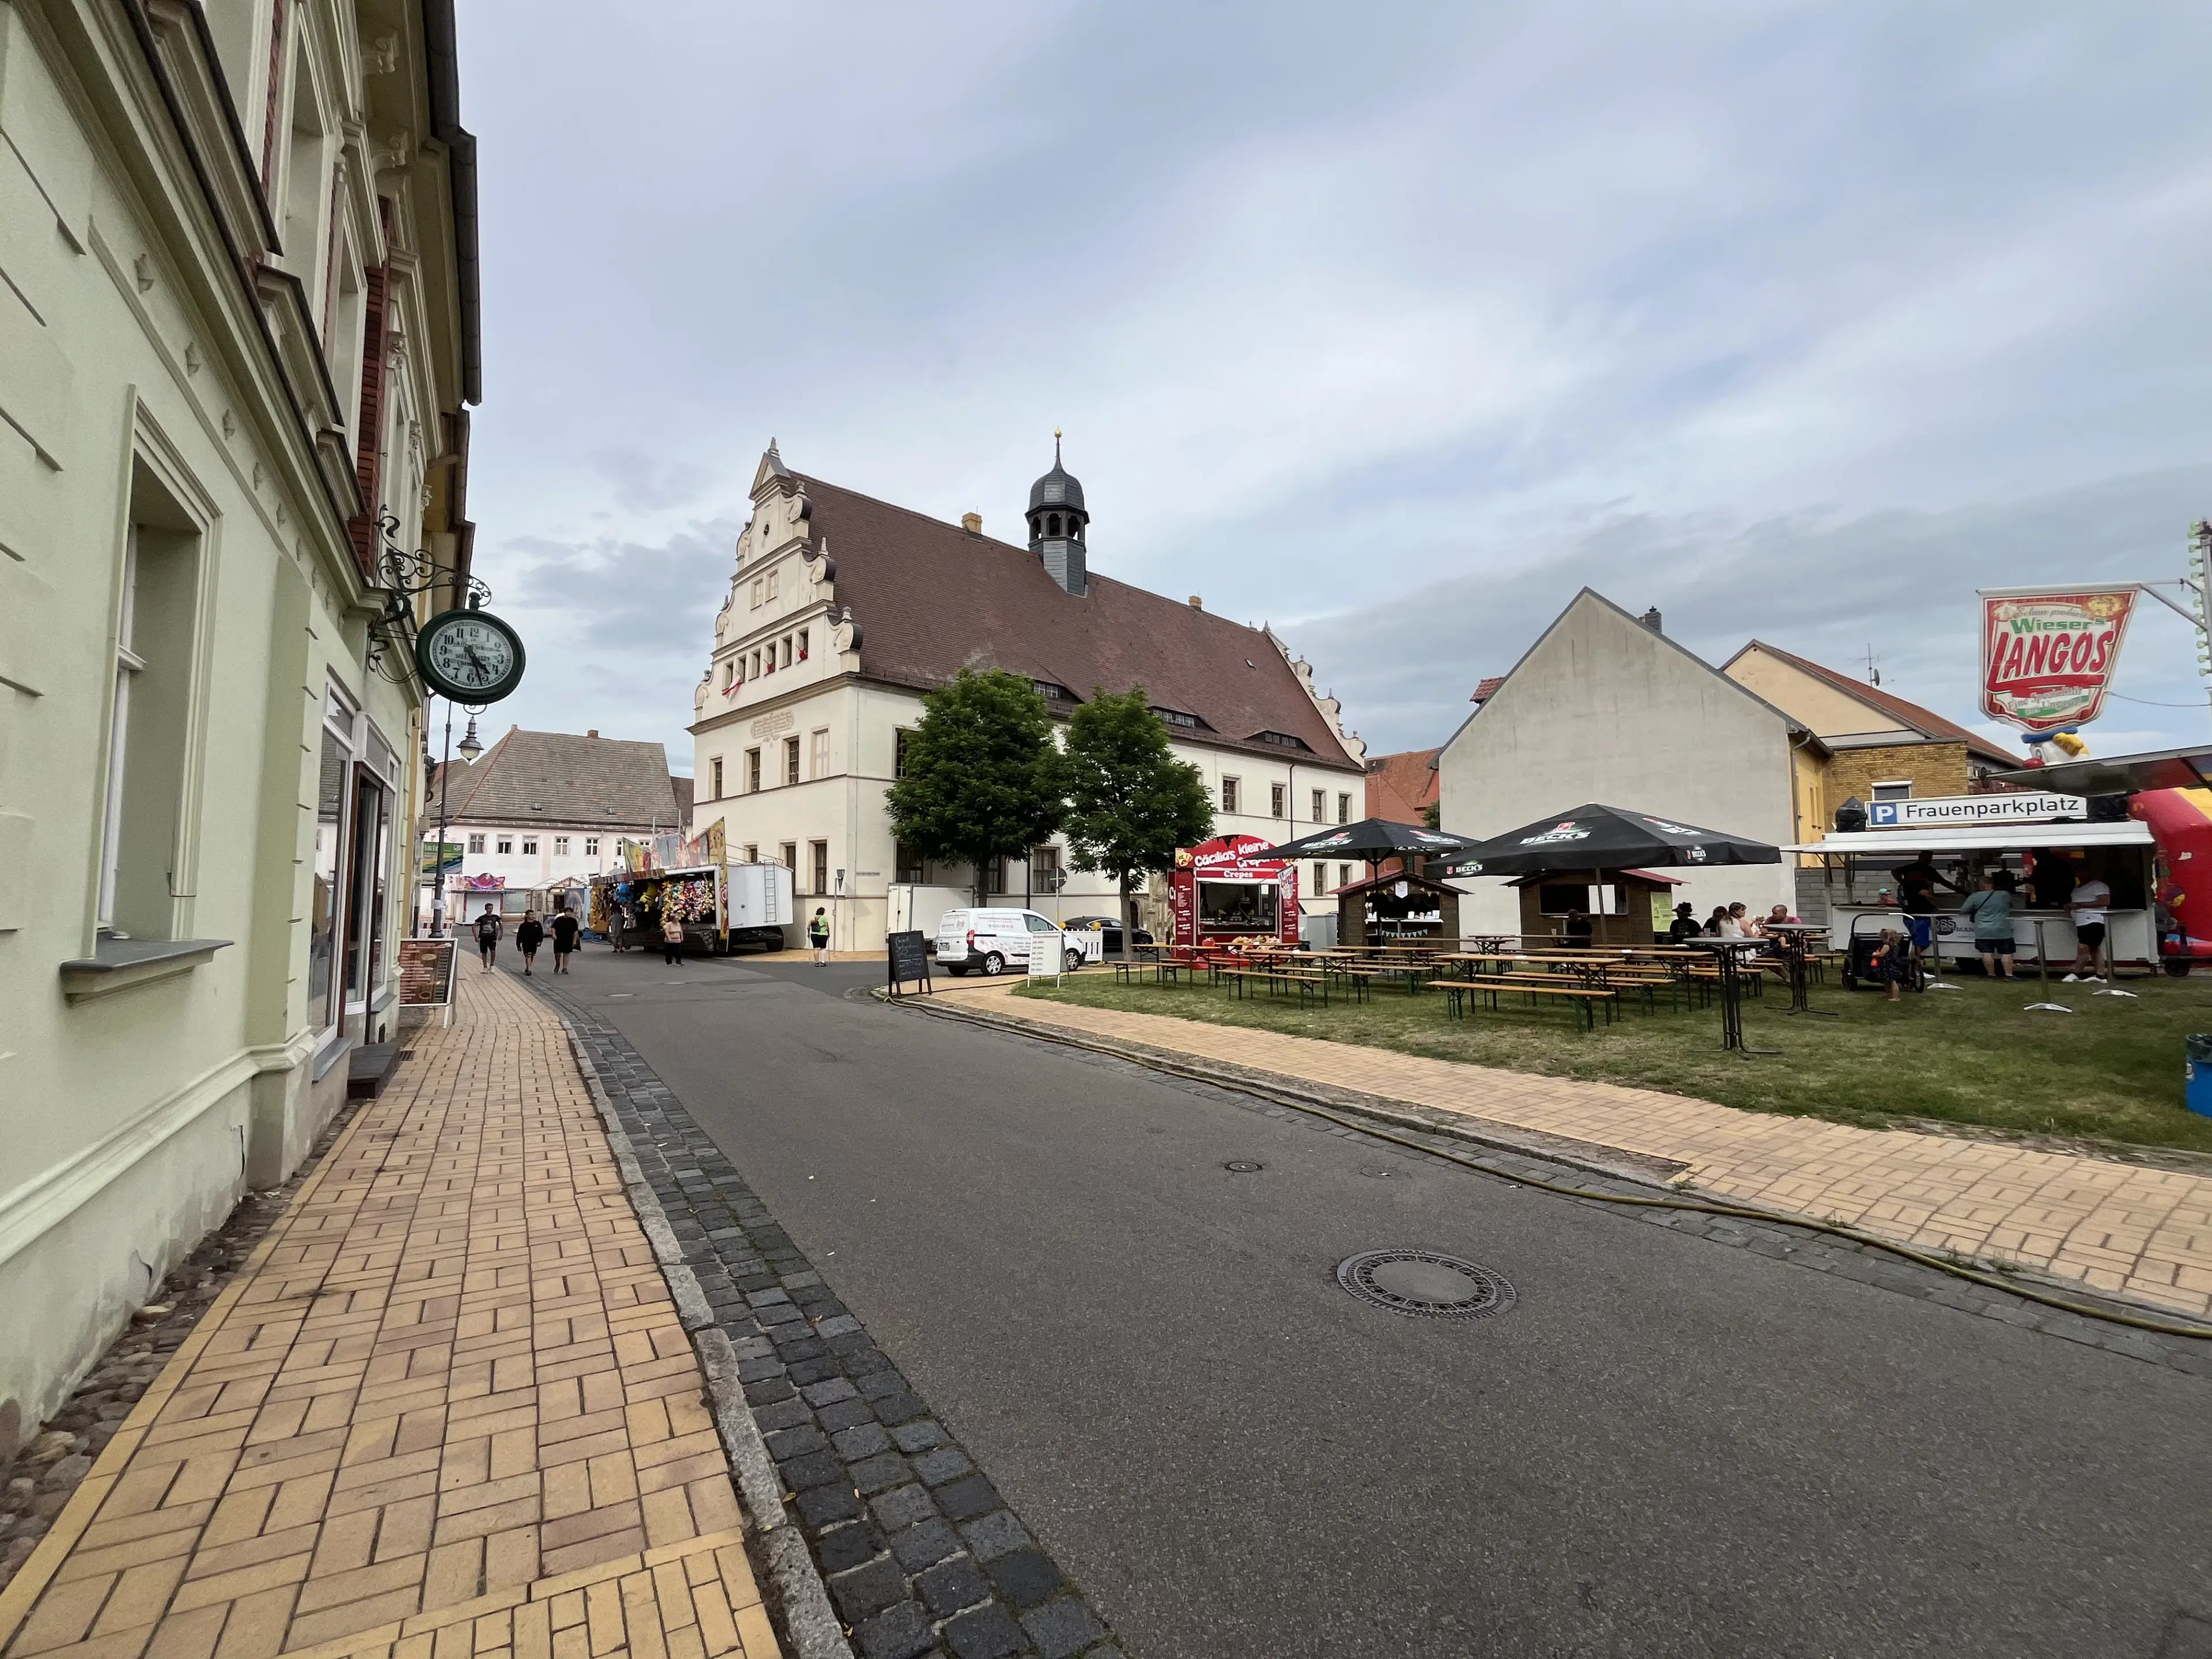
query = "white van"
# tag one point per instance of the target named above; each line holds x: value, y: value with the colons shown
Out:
x: 996, y: 940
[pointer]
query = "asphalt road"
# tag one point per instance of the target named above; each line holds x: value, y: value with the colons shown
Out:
x: 1666, y: 1448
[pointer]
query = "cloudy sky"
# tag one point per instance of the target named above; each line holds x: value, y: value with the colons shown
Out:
x: 1799, y: 321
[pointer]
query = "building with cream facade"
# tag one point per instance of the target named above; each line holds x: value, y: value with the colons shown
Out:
x: 844, y: 611
x: 238, y: 340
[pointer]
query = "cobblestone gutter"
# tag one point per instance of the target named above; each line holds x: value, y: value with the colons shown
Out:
x: 919, y: 1554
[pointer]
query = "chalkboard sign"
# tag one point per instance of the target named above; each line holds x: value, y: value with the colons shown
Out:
x: 910, y: 955
x: 426, y: 973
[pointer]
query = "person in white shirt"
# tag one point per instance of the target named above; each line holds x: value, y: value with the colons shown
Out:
x: 2091, y: 899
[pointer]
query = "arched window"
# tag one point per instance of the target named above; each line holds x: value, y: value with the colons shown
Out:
x: 1052, y: 525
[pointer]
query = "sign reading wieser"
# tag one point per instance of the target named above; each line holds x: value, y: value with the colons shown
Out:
x: 2048, y: 655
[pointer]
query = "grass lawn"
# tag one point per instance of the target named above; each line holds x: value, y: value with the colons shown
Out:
x: 2112, y: 1070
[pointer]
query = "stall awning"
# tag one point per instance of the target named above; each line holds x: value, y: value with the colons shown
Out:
x: 1992, y: 837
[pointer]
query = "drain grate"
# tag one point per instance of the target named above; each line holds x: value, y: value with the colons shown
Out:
x: 1425, y: 1286
x: 1243, y: 1166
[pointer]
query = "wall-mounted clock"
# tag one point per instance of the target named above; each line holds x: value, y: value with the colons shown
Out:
x: 471, y: 656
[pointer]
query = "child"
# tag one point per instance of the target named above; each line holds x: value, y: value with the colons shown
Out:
x: 1892, y: 961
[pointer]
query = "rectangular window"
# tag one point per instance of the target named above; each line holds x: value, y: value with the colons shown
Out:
x: 1344, y: 875
x: 898, y: 752
x: 1044, y: 869
x: 331, y: 798
x: 476, y: 843
x: 756, y: 668
x: 507, y: 843
x: 715, y: 771
x: 757, y: 589
x: 791, y: 760
x: 1229, y: 794
x: 802, y: 645
x: 752, y: 853
x: 1320, y: 807
x: 908, y: 865
x: 1899, y: 790
x: 729, y: 675
x: 821, y: 757
x: 752, y: 772
x: 529, y: 846
x: 786, y: 650
x: 1276, y: 791
x: 1344, y: 809
x: 771, y: 584
x: 560, y: 846
x: 791, y: 856
x: 820, y: 849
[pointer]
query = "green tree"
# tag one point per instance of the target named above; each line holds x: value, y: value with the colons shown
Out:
x: 982, y: 779
x: 1131, y: 802
x: 1433, y: 815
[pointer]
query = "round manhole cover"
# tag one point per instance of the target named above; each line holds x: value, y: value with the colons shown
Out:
x: 1424, y: 1284
x: 1243, y: 1166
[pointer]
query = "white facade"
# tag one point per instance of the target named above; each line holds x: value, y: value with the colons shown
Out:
x: 794, y: 747
x: 1605, y: 709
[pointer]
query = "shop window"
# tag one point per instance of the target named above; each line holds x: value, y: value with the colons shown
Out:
x: 476, y: 843
x: 530, y: 846
x: 1344, y: 809
x: 1276, y: 792
x: 752, y: 771
x: 714, y: 770
x: 1900, y: 789
x: 591, y: 846
x: 156, y: 640
x: 507, y: 844
x: 791, y: 760
x: 560, y: 846
x: 820, y: 740
x: 1229, y: 794
x: 820, y: 859
x: 329, y: 862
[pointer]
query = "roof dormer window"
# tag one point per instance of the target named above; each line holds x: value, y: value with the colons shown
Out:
x: 1282, y: 740
x: 1177, y: 717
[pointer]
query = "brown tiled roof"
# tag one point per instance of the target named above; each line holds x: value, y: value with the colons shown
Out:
x: 1910, y: 715
x: 557, y: 777
x: 1485, y: 690
x: 1401, y: 786
x: 930, y: 600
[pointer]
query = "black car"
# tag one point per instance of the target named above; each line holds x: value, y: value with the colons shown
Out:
x: 1110, y: 927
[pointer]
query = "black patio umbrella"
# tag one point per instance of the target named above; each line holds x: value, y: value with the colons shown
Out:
x: 1373, y: 840
x: 1595, y: 837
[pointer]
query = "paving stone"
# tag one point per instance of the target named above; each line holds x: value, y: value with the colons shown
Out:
x: 867, y: 1590
x: 862, y: 1440
x: 1024, y: 1577
x: 921, y: 1547
x: 898, y: 1632
x: 987, y: 1632
x: 963, y: 1500
x: 995, y: 1535
x: 901, y: 1508
x: 951, y: 1585
x: 841, y: 1548
x: 920, y: 1435
x: 1062, y: 1628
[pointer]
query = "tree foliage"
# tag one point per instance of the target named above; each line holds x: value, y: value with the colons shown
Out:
x: 1131, y: 802
x: 983, y: 779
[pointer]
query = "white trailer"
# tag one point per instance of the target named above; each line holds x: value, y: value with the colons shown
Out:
x: 757, y: 905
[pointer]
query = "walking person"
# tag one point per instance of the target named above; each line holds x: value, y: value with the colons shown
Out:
x: 529, y: 934
x: 1893, y: 963
x: 489, y: 928
x: 817, y: 935
x: 1989, y: 906
x: 1916, y: 883
x: 565, y: 934
x: 672, y: 936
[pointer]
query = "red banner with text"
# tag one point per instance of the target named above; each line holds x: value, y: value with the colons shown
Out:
x: 2048, y: 657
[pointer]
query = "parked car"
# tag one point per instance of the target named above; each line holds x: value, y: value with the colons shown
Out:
x: 1109, y: 929
x: 995, y: 940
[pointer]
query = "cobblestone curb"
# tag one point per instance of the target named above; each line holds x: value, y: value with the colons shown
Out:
x: 1779, y: 1238
x: 918, y: 1553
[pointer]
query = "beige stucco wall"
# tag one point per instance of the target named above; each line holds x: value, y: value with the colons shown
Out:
x: 1603, y: 710
x: 138, y: 387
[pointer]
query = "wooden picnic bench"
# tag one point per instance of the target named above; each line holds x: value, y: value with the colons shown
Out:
x: 1586, y: 999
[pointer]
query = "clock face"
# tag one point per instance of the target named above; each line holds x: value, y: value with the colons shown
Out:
x: 469, y: 656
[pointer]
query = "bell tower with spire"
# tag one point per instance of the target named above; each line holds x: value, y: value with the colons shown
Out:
x: 1057, y: 522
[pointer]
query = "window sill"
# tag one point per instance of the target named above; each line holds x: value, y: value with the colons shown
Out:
x: 118, y: 964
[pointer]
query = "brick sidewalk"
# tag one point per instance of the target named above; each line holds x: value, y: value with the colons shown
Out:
x: 446, y: 1411
x: 2123, y: 1228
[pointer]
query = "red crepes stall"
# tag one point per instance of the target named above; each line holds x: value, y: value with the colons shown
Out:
x: 1221, y: 893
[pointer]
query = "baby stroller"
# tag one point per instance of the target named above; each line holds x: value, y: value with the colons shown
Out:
x: 1860, y: 973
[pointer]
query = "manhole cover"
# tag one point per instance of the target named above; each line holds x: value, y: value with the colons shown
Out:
x: 1425, y: 1285
x: 1243, y: 1166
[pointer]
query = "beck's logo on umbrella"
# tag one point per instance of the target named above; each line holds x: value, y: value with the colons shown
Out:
x: 1565, y: 831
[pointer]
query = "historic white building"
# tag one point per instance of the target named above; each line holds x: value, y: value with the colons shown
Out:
x: 843, y: 610
x: 542, y: 809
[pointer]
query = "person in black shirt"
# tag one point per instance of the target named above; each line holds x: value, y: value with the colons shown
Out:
x: 489, y: 928
x: 1684, y: 924
x: 528, y: 937
x: 1578, y: 928
x: 565, y: 930
x: 2050, y: 884
x: 1916, y: 883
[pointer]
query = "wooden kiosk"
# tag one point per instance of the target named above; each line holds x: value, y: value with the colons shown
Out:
x: 1397, y: 909
x: 1626, y: 908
